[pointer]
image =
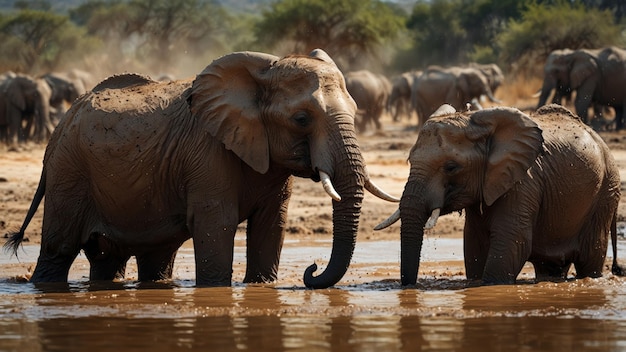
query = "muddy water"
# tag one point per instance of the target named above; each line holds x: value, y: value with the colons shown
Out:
x: 367, y: 311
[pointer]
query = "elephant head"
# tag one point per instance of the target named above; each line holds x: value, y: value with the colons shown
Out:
x: 460, y: 160
x: 568, y: 70
x: 552, y: 70
x: 399, y: 102
x: 291, y: 114
x: 492, y: 72
x: 63, y: 90
x: 472, y: 83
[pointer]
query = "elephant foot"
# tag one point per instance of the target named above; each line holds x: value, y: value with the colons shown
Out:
x: 618, y: 270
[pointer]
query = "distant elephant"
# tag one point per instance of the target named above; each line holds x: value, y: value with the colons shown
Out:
x: 24, y: 109
x: 456, y: 86
x: 492, y: 72
x: 551, y: 83
x: 64, y: 91
x: 597, y: 76
x: 543, y: 189
x: 370, y: 91
x: 399, y: 102
x: 137, y: 167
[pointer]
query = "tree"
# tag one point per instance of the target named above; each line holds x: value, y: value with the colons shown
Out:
x: 156, y: 33
x: 438, y: 32
x: 450, y: 32
x: 34, y: 41
x: 542, y: 28
x: 350, y: 31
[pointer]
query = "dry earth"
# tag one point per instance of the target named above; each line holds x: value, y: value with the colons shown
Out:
x: 310, y: 209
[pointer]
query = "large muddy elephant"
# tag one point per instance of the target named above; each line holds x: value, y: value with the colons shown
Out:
x: 137, y: 167
x: 456, y: 86
x: 370, y: 92
x: 24, y: 109
x: 543, y: 189
x: 597, y: 76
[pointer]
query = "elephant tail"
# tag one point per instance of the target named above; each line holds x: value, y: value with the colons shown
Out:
x: 616, y: 269
x: 16, y: 238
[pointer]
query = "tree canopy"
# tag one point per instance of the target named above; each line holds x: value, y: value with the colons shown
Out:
x: 182, y: 36
x: 349, y: 30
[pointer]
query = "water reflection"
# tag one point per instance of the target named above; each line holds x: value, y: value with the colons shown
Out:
x: 371, y: 312
x: 382, y: 316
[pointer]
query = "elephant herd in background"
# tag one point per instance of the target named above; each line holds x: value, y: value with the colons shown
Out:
x: 421, y: 92
x: 590, y: 78
x: 30, y: 106
x: 596, y: 76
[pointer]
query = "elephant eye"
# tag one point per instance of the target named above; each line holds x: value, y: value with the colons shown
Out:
x: 451, y: 167
x: 301, y: 119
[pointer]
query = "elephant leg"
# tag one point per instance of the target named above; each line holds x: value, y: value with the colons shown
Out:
x: 510, y: 247
x: 105, y: 260
x: 111, y: 268
x: 550, y: 271
x: 52, y: 267
x: 265, y: 235
x: 14, y: 129
x: 213, y: 232
x: 475, y: 246
x: 157, y: 265
x: 60, y: 240
x: 377, y: 122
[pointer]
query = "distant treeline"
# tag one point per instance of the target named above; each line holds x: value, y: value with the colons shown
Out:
x: 179, y: 37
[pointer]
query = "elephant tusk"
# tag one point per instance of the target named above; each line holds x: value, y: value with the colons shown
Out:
x: 328, y: 186
x: 378, y: 192
x: 432, y: 220
x: 390, y: 221
x: 494, y: 99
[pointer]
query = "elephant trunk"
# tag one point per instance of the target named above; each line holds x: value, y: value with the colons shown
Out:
x: 547, y: 87
x: 348, y: 176
x: 414, y: 213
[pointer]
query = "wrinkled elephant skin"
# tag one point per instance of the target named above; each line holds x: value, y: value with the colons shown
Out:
x: 542, y: 189
x: 137, y: 167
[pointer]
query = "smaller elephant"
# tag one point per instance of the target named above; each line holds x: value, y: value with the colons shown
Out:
x: 456, y: 86
x: 371, y: 92
x: 399, y: 103
x: 24, y: 109
x: 541, y: 188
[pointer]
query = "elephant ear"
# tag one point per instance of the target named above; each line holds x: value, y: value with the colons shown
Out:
x: 443, y: 110
x: 227, y: 95
x: 513, y: 143
x: 583, y: 66
x: 321, y: 55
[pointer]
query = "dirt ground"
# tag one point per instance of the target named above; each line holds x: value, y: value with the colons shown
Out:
x: 310, y: 208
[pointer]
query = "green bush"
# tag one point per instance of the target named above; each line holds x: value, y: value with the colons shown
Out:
x: 527, y: 42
